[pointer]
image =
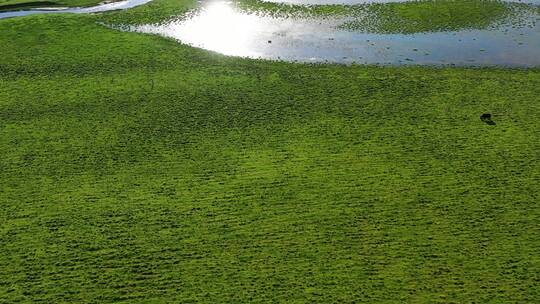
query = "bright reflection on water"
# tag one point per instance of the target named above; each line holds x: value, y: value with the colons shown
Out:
x: 221, y: 28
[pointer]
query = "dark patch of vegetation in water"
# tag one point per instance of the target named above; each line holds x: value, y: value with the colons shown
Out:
x: 291, y: 10
x: 436, y: 16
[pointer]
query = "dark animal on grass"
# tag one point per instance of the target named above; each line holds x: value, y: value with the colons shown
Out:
x: 486, y: 117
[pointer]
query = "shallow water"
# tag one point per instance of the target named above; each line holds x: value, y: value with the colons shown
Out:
x: 353, y: 2
x: 77, y: 10
x: 221, y: 28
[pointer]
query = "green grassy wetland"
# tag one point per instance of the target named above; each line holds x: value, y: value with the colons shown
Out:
x: 405, y: 17
x: 135, y: 169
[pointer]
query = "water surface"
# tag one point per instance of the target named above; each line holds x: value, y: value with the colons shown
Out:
x: 221, y: 28
x: 355, y: 2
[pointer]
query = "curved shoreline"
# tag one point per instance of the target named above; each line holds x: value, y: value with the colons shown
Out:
x: 220, y: 27
x: 126, y: 4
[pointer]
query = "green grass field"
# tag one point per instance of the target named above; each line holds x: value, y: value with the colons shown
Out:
x: 138, y: 170
x: 9, y: 5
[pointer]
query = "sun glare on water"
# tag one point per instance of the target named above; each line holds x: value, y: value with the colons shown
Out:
x: 219, y: 27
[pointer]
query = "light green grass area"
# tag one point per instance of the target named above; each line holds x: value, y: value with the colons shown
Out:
x: 138, y: 170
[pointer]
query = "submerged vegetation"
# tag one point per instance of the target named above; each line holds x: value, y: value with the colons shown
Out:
x: 137, y: 169
x: 384, y: 18
x: 154, y: 12
x: 435, y: 16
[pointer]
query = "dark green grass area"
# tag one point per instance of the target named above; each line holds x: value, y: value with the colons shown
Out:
x: 9, y: 5
x: 135, y: 169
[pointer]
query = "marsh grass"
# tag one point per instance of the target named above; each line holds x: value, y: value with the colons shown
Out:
x: 405, y: 17
x: 437, y: 16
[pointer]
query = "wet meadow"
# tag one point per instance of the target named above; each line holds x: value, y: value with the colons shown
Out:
x: 138, y: 167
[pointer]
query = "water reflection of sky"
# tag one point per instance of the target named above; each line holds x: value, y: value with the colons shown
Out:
x: 221, y: 28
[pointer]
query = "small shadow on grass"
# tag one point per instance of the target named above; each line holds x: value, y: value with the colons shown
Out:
x: 486, y: 117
